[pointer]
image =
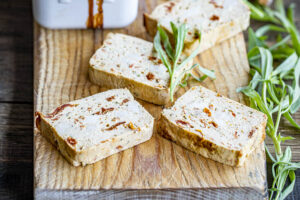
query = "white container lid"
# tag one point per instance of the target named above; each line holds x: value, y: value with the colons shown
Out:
x: 74, y: 14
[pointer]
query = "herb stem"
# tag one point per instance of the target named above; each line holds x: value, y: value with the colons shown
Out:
x: 276, y: 145
x: 264, y: 94
x: 274, y: 134
x: 274, y: 89
x: 171, y: 88
x: 277, y: 195
x: 172, y: 57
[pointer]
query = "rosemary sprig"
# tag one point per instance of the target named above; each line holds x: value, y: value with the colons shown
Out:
x: 275, y: 90
x: 171, y: 55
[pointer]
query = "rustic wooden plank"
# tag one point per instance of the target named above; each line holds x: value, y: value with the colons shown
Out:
x: 16, y: 51
x: 15, y: 180
x: 154, y: 194
x: 16, y: 114
x: 61, y: 61
x: 166, y: 194
x: 16, y: 61
x: 16, y: 132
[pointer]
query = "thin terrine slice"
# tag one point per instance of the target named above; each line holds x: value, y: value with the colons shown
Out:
x: 217, y: 20
x: 213, y: 126
x: 90, y: 129
x: 128, y: 62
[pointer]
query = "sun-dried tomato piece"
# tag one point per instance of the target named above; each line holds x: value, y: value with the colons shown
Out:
x: 124, y: 101
x: 58, y: 110
x: 233, y: 114
x: 150, y: 76
x: 215, y: 4
x: 184, y: 123
x: 207, y: 111
x: 106, y: 110
x: 115, y: 126
x: 151, y: 58
x: 214, y: 124
x: 214, y: 18
x: 110, y: 98
x: 170, y: 7
x: 251, y: 133
x: 71, y: 141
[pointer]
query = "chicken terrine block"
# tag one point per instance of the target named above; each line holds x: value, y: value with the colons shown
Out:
x: 213, y: 126
x: 217, y: 20
x: 90, y: 129
x: 128, y: 62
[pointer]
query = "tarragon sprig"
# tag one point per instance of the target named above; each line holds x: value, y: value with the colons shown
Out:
x: 275, y: 90
x: 282, y: 21
x: 270, y: 93
x: 171, y: 55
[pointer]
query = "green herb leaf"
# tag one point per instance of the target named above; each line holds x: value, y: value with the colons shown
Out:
x: 161, y: 52
x: 167, y: 45
x: 291, y: 28
x: 258, y: 102
x: 290, y: 12
x: 253, y: 40
x: 269, y: 91
x: 279, y: 7
x: 281, y: 43
x: 178, y: 70
x: 269, y: 154
x: 209, y: 73
x: 287, y: 65
x: 269, y: 27
x: 206, y: 72
x: 295, y: 107
x: 290, y: 187
x: 179, y: 41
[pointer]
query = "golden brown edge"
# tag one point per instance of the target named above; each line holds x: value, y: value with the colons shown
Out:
x: 199, y: 142
x: 133, y: 86
x: 48, y: 132
x: 138, y: 89
x: 89, y: 155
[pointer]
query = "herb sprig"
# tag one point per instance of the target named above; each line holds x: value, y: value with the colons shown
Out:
x: 275, y: 90
x: 171, y: 57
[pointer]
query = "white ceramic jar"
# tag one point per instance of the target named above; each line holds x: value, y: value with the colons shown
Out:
x: 74, y: 14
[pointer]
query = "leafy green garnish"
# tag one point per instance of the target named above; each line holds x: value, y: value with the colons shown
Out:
x: 171, y: 55
x: 275, y: 90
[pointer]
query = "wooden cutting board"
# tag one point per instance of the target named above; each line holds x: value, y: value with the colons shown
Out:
x: 61, y: 64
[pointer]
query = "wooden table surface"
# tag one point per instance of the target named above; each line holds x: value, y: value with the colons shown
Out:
x: 16, y: 103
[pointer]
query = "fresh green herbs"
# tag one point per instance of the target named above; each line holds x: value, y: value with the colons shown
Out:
x: 175, y: 60
x: 273, y: 90
x: 282, y: 22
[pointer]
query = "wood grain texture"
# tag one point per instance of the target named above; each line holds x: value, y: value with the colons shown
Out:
x: 16, y: 80
x: 61, y: 63
x: 16, y: 64
x: 16, y: 50
x: 171, y: 194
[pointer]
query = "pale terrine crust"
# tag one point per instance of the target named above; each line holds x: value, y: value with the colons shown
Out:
x: 159, y: 96
x: 128, y: 62
x: 213, y: 126
x: 209, y: 37
x: 206, y: 148
x: 90, y: 129
x: 90, y: 155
